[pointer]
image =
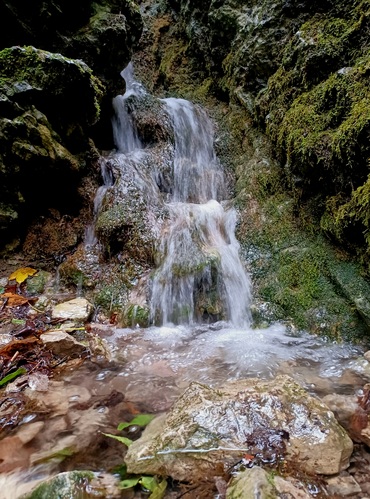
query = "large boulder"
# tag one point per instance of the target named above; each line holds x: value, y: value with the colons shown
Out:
x: 102, y: 33
x: 43, y: 140
x: 266, y: 419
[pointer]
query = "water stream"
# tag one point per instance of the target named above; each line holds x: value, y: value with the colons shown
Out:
x: 200, y: 301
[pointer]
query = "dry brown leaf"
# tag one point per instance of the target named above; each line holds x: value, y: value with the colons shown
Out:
x: 14, y: 300
x: 20, y: 275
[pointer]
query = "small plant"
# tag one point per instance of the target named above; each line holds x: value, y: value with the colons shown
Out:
x: 155, y: 485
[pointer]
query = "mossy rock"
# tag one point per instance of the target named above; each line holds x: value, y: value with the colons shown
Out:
x: 36, y: 284
x: 316, y: 111
x: 76, y: 484
x: 59, y: 80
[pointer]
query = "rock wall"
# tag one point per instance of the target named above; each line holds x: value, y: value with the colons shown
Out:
x: 60, y: 65
x: 286, y: 84
x: 300, y: 69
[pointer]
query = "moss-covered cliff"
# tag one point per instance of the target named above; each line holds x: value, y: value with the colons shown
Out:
x: 60, y: 65
x: 287, y: 84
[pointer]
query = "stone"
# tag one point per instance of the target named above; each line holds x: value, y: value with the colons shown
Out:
x: 77, y: 309
x: 29, y: 431
x: 60, y: 397
x: 343, y: 406
x: 256, y: 482
x: 286, y: 488
x: 61, y: 343
x: 251, y: 483
x: 209, y: 426
x: 343, y: 486
x: 77, y: 484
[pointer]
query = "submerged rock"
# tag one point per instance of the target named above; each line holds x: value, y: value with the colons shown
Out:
x: 251, y: 483
x: 267, y: 419
x: 61, y: 343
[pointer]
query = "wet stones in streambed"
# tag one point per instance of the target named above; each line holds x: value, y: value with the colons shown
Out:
x: 268, y: 420
x: 256, y: 482
x: 76, y: 484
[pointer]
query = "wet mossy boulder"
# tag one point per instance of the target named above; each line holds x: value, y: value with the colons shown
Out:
x: 76, y: 484
x: 44, y: 144
x: 102, y: 34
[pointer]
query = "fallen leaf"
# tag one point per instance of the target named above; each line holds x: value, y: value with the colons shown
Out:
x: 20, y: 275
x: 14, y: 300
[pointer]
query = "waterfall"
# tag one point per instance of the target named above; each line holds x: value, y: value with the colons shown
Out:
x: 125, y: 139
x: 199, y: 275
x: 90, y: 237
x: 124, y: 129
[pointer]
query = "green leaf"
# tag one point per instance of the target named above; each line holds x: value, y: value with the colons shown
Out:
x: 149, y: 482
x: 159, y: 491
x: 120, y: 470
x: 123, y: 440
x: 129, y: 483
x: 13, y: 375
x: 18, y: 322
x: 140, y: 420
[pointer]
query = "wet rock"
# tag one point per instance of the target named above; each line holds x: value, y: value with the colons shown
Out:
x: 343, y: 486
x: 271, y: 419
x: 77, y: 484
x: 77, y: 309
x: 29, y: 431
x: 61, y: 343
x: 343, y: 406
x: 99, y: 348
x: 35, y: 381
x: 55, y: 451
x: 251, y: 483
x: 13, y: 454
x: 290, y: 488
x: 256, y: 482
x: 59, y: 398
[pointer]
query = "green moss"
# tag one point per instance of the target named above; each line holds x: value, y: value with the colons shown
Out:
x: 316, y: 110
x: 36, y: 284
x: 58, y: 76
x: 63, y: 486
x: 136, y: 315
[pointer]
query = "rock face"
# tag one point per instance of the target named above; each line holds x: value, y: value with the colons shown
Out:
x: 265, y: 419
x: 102, y: 34
x: 243, y: 53
x: 54, y: 55
x: 300, y: 69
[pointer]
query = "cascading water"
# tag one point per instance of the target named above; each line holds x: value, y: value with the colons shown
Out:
x: 200, y: 276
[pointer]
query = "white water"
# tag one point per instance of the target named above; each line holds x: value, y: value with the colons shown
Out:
x: 199, y: 254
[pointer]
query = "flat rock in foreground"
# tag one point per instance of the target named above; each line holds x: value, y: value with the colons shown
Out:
x: 269, y: 419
